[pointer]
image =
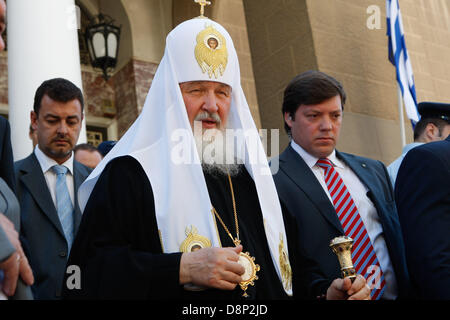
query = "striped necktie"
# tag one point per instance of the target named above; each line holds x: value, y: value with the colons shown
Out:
x: 64, y: 203
x: 363, y: 255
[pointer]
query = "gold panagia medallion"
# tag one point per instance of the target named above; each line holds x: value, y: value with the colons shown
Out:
x: 249, y: 276
x: 194, y: 241
x: 211, y: 52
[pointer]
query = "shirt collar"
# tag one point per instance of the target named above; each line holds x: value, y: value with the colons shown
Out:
x: 410, y: 146
x: 47, y: 163
x: 312, y: 160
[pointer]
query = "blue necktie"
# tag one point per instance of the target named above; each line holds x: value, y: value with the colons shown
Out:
x: 64, y: 203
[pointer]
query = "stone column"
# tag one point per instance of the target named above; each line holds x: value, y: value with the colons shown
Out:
x: 42, y: 44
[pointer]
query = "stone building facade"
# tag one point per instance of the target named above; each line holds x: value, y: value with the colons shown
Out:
x: 333, y: 36
x: 275, y: 41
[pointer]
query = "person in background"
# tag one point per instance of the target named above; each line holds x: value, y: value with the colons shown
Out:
x: 88, y: 155
x: 434, y: 125
x: 106, y: 146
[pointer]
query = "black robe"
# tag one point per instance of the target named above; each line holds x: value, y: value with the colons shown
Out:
x: 118, y: 249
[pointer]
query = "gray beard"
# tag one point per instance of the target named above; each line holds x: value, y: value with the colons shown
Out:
x: 215, y: 163
x: 222, y: 169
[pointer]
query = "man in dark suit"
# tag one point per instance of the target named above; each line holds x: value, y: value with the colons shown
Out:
x: 47, y: 184
x: 422, y: 194
x: 331, y: 193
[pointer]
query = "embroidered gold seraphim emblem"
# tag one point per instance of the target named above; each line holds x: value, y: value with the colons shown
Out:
x: 194, y: 241
x: 211, y: 52
x: 286, y: 271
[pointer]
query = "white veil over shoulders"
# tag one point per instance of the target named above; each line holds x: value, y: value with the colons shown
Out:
x: 179, y: 187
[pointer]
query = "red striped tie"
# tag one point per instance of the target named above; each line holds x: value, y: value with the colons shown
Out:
x: 363, y: 255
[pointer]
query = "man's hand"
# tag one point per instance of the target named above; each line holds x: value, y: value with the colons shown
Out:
x: 212, y: 267
x: 344, y: 289
x: 17, y: 263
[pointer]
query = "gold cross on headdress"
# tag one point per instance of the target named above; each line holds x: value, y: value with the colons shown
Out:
x: 202, y: 4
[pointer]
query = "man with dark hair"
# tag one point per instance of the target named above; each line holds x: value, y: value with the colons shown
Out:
x: 332, y: 193
x: 88, y: 155
x: 434, y: 125
x: 47, y: 182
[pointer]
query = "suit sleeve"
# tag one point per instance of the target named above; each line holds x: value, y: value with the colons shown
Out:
x: 117, y: 247
x: 307, y: 279
x: 422, y: 193
x: 6, y: 155
x: 7, y: 173
x: 6, y: 248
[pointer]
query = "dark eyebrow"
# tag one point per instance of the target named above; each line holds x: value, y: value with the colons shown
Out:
x: 49, y: 115
x: 73, y: 117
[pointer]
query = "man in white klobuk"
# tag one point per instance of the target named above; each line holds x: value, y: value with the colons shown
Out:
x: 158, y: 225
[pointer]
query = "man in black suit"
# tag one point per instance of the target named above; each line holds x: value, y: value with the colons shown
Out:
x: 422, y: 194
x: 342, y: 194
x: 47, y: 184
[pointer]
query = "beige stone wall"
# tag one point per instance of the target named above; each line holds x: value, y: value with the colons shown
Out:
x: 348, y: 50
x: 427, y: 26
x: 151, y: 21
x: 289, y: 37
x: 281, y: 47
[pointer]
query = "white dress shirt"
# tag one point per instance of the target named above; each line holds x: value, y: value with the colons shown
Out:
x: 366, y: 210
x: 46, y: 164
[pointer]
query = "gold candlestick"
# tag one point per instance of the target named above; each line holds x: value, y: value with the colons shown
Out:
x: 342, y: 247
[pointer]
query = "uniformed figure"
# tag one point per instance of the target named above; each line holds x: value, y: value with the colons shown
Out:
x: 422, y: 194
x: 434, y: 125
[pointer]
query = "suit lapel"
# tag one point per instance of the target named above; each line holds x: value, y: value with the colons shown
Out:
x: 34, y: 180
x: 362, y: 171
x: 358, y: 167
x: 298, y: 171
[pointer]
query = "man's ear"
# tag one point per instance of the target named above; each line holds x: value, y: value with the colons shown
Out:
x: 33, y: 120
x: 288, y: 119
x: 431, y: 132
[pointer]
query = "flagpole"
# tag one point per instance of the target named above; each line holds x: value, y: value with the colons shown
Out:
x: 400, y: 113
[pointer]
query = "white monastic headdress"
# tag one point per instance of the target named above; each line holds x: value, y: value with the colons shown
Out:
x: 180, y: 191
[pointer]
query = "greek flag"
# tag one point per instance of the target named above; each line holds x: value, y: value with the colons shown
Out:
x: 398, y: 56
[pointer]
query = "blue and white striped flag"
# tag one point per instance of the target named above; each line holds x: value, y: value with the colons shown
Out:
x: 398, y: 55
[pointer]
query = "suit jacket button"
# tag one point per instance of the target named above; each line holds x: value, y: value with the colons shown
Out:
x: 62, y: 254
